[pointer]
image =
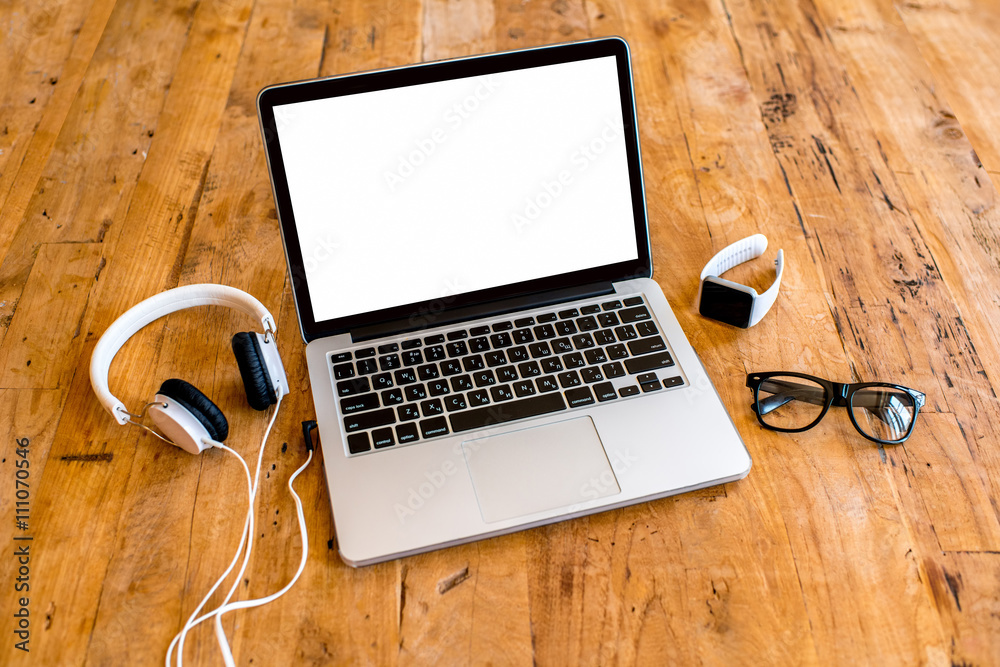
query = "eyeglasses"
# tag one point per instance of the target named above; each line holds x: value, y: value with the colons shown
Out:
x: 793, y: 402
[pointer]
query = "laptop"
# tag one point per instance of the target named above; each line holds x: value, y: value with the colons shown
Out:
x: 469, y: 255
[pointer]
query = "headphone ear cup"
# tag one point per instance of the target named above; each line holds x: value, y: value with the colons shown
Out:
x: 198, y: 404
x: 253, y: 370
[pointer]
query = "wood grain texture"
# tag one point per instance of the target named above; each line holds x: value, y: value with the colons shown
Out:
x: 859, y: 135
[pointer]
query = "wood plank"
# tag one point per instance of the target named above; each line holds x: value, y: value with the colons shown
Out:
x: 47, y: 325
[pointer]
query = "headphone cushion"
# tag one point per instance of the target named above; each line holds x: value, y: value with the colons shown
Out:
x: 198, y: 404
x: 253, y: 370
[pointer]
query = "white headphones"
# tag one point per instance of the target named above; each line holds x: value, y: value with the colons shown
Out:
x: 185, y: 416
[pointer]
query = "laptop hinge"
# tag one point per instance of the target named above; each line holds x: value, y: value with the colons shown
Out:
x: 481, y: 311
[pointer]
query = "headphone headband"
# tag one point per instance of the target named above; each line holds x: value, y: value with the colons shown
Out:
x: 149, y: 311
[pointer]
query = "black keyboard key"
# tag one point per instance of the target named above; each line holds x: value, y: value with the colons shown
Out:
x: 494, y: 359
x: 456, y: 402
x: 473, y: 363
x: 481, y: 344
x: 431, y: 407
x: 506, y: 374
x: 618, y: 351
x: 524, y: 322
x: 409, y: 345
x: 613, y: 370
x: 458, y: 349
x: 434, y: 340
x: 523, y: 336
x: 646, y: 377
x: 524, y: 388
x: 407, y: 413
x: 591, y: 375
x: 611, y: 305
x: 340, y: 357
x: 653, y: 385
x: 437, y: 387
x: 569, y: 379
x: 352, y: 387
x: 566, y: 314
x: 565, y: 328
x: 387, y: 348
x: 675, y: 381
x: 529, y: 369
x: 574, y: 360
x: 625, y: 392
x: 649, y: 362
x: 343, y: 371
x: 560, y: 345
x: 428, y: 372
x: 358, y: 442
x: 583, y: 341
x: 605, y: 392
x: 365, y: 420
x: 646, y: 345
x: 451, y: 367
x: 500, y: 340
x: 405, y: 376
x: 359, y: 403
x: 587, y: 323
x: 590, y: 310
x: 626, y: 332
x: 430, y: 428
x: 406, y: 433
x: 478, y: 397
x: 458, y: 335
x: 364, y: 352
x: 381, y: 381
x: 392, y: 397
x: 646, y: 328
x: 367, y: 366
x: 634, y: 314
x: 415, y: 392
x: 579, y: 397
x: 547, y: 383
x: 517, y: 354
x: 435, y: 353
x: 502, y: 393
x: 479, y: 331
x: 604, y: 337
x: 546, y: 317
x: 413, y: 358
x: 383, y: 437
x: 498, y: 414
x: 461, y: 383
x: 608, y: 319
x: 552, y: 365
x: 633, y: 301
x: 595, y: 356
x: 544, y: 332
x: 503, y: 326
x: 539, y: 350
x: 484, y: 378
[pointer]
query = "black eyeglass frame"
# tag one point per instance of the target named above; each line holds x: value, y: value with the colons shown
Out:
x: 837, y: 394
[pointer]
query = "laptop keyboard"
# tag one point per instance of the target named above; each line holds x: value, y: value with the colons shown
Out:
x: 423, y: 387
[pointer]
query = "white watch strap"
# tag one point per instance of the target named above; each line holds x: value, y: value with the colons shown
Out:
x: 735, y: 254
x: 763, y: 302
x: 152, y: 309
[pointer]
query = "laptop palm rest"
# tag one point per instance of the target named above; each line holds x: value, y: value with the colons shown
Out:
x: 540, y: 468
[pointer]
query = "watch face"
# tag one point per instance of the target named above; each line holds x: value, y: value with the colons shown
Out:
x: 725, y: 304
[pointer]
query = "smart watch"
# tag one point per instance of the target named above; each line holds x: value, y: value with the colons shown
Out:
x: 730, y: 302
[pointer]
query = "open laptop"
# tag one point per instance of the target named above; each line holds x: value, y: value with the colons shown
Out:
x: 469, y: 254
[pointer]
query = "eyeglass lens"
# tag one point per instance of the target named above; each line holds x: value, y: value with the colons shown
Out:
x: 789, y: 402
x: 884, y: 413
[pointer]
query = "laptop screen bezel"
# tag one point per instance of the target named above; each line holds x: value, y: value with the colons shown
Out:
x: 473, y: 66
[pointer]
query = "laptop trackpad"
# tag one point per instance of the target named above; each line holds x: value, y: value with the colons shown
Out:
x: 539, y: 468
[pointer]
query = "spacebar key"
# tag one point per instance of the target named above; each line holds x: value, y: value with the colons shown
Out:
x: 507, y: 411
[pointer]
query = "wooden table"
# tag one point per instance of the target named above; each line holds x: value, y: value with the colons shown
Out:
x: 860, y: 135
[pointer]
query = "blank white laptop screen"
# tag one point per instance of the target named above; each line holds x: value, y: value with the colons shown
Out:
x: 427, y: 191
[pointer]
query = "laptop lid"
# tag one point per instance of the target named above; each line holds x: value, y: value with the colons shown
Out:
x: 436, y: 192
